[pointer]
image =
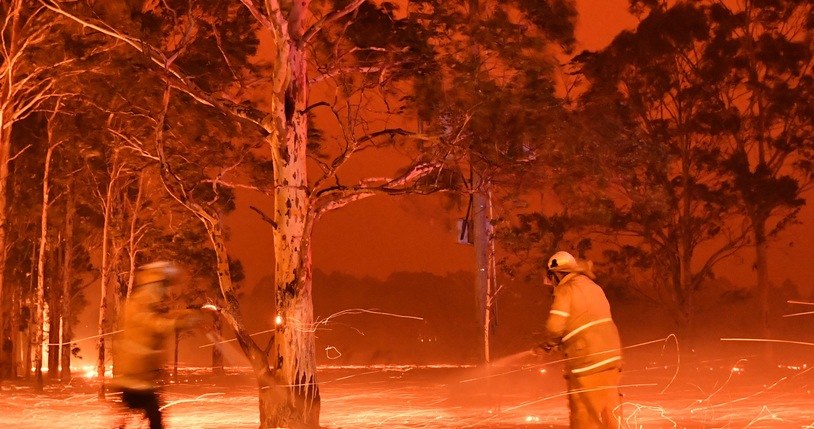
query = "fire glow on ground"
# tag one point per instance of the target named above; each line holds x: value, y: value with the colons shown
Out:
x: 727, y: 392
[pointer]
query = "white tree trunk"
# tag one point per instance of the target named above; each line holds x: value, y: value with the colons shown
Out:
x: 104, y: 279
x: 67, y: 278
x: 132, y: 246
x: 40, y: 294
x: 5, y: 152
x: 7, y: 83
x: 482, y: 261
x: 293, y: 351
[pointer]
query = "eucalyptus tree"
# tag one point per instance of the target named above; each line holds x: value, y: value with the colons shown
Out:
x: 206, y: 54
x: 761, y: 64
x: 660, y: 133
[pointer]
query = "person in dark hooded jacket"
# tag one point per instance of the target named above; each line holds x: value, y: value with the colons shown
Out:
x: 580, y: 324
x: 140, y: 349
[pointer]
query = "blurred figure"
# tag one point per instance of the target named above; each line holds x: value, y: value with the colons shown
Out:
x: 580, y: 325
x: 140, y: 350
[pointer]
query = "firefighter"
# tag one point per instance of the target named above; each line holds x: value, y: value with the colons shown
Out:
x: 580, y: 325
x: 140, y: 348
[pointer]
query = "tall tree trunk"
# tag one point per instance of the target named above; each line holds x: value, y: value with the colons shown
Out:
x: 217, y: 353
x: 27, y: 344
x: 54, y: 319
x: 54, y: 313
x: 269, y: 388
x: 132, y: 241
x: 482, y: 235
x: 103, y: 286
x: 30, y: 312
x: 493, y: 288
x: 293, y: 351
x: 7, y: 105
x: 685, y: 240
x: 5, y: 155
x: 764, y: 295
x: 686, y: 284
x: 66, y: 334
x: 28, y: 341
x: 16, y: 343
x: 482, y: 223
x: 40, y: 293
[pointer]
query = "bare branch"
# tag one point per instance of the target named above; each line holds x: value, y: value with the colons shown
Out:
x: 329, y: 18
x: 226, y: 184
x: 266, y: 218
x: 339, y: 196
x: 19, y: 153
x: 258, y: 15
x: 133, y: 143
x: 222, y: 52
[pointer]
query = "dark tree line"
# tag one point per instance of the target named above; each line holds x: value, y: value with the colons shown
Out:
x: 694, y: 143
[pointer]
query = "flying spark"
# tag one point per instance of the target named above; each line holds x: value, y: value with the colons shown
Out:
x: 768, y: 340
x: 804, y: 313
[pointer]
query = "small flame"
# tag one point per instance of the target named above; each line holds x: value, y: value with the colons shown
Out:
x: 278, y: 320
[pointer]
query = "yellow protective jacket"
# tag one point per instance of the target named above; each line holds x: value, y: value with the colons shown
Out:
x: 139, y: 351
x: 580, y: 322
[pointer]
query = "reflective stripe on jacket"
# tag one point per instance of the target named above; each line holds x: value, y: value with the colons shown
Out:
x: 580, y: 320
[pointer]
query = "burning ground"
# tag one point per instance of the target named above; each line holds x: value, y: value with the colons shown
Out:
x: 518, y: 391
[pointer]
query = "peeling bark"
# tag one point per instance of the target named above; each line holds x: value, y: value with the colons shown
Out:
x: 293, y: 350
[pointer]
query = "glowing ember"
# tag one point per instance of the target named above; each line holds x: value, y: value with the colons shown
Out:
x: 332, y: 352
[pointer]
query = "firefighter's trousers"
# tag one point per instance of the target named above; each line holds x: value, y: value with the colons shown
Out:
x: 595, y: 401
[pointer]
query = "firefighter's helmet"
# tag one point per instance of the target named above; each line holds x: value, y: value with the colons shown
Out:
x: 157, y: 272
x: 563, y: 262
